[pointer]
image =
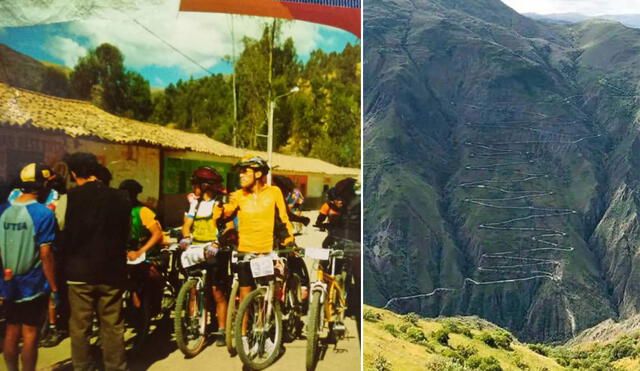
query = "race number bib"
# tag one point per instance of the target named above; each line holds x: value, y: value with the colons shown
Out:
x: 261, y: 267
x: 192, y: 256
x: 316, y: 253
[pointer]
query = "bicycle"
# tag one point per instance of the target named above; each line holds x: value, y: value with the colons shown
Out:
x: 261, y: 311
x: 191, y: 314
x: 151, y: 301
x: 328, y: 301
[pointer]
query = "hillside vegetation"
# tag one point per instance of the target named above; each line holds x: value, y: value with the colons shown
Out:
x: 408, y: 342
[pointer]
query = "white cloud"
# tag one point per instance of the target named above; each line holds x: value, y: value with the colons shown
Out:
x: 203, y: 37
x: 65, y: 49
x: 586, y: 7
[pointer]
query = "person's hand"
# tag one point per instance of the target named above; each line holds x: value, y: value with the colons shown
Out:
x: 55, y: 298
x: 305, y: 220
x: 185, y: 242
x: 133, y: 255
x: 211, y: 250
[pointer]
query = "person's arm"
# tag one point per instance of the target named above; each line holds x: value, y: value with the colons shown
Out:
x: 148, y: 220
x: 297, y: 218
x: 187, y: 222
x: 281, y: 209
x: 322, y: 215
x: 48, y: 265
x: 45, y: 234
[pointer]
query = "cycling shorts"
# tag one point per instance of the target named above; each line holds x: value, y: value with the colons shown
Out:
x: 31, y: 313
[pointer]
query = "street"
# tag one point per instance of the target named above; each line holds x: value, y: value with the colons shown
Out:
x: 162, y: 354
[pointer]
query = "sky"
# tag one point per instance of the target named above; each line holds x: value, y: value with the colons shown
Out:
x: 148, y: 39
x: 586, y: 7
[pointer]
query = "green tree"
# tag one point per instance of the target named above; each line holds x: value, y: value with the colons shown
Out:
x: 100, y: 76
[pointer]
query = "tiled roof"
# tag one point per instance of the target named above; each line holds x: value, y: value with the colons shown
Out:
x: 79, y: 118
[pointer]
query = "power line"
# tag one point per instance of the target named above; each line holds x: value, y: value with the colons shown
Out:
x: 174, y: 48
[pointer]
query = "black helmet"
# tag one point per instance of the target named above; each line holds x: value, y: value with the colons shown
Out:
x: 132, y: 186
x: 254, y: 162
x: 204, y: 175
x: 284, y: 183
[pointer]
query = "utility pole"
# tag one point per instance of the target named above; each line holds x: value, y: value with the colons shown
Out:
x: 233, y: 82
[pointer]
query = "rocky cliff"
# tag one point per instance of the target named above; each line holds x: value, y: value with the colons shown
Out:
x: 500, y: 166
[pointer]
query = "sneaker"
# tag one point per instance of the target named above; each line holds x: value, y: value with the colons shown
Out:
x: 269, y: 346
x: 220, y: 341
x: 245, y: 344
x: 54, y: 337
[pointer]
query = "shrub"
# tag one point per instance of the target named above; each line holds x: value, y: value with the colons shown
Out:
x: 457, y: 328
x: 540, y: 349
x: 390, y: 328
x: 497, y: 339
x: 486, y: 338
x: 380, y: 363
x: 404, y: 327
x: 415, y: 335
x: 411, y: 318
x: 503, y: 339
x: 466, y: 351
x: 443, y: 364
x: 371, y: 316
x: 484, y: 363
x: 621, y: 349
x: 441, y: 335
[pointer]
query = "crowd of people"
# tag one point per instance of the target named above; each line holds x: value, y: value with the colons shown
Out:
x: 64, y: 263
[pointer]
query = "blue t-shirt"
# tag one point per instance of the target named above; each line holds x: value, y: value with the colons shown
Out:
x: 24, y: 227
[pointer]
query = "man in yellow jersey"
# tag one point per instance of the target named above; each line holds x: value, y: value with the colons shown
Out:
x: 257, y: 205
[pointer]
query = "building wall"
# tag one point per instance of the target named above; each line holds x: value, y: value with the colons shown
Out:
x: 127, y: 161
x: 19, y: 146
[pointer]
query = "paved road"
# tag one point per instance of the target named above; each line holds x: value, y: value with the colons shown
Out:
x: 162, y: 354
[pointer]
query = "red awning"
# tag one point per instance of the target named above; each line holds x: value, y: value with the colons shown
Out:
x: 344, y: 14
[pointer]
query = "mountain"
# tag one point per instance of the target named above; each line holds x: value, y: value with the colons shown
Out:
x: 408, y: 342
x: 22, y: 71
x: 500, y: 166
x: 629, y: 20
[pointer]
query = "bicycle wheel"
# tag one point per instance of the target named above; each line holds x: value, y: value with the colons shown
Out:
x: 262, y: 343
x: 231, y: 317
x: 313, y: 330
x: 291, y: 308
x: 190, y: 319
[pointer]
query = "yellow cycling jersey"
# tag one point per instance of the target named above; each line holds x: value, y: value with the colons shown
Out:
x: 256, y: 218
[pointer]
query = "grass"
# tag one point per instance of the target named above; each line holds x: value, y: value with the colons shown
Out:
x: 401, y: 354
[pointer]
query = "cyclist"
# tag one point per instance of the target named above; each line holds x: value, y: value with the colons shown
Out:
x: 146, y: 236
x: 330, y: 210
x: 200, y: 226
x: 257, y: 206
x: 57, y: 315
x: 29, y: 229
x: 296, y: 264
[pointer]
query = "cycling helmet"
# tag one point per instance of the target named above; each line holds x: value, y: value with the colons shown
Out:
x: 132, y: 186
x: 254, y: 162
x: 34, y: 176
x: 208, y: 177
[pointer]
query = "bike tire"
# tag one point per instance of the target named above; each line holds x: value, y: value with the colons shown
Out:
x: 181, y: 322
x: 291, y: 305
x: 313, y: 329
x: 257, y: 297
x: 231, y: 316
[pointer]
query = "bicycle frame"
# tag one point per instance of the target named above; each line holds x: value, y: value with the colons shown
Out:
x: 328, y: 286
